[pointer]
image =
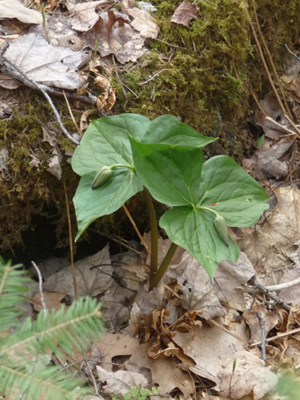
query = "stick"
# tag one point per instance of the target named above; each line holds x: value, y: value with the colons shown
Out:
x: 291, y: 133
x: 19, y: 74
x: 40, y: 286
x: 159, y: 72
x: 71, y: 243
x: 270, y: 78
x: 290, y: 51
x: 265, y: 290
x: 227, y: 331
x: 271, y: 62
x: 263, y: 336
x: 281, y: 335
x: 136, y: 229
x: 285, y: 285
x: 118, y: 77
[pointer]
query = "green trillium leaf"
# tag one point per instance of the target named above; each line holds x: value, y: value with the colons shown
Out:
x: 92, y: 204
x: 194, y: 230
x: 172, y: 174
x: 168, y: 129
x: 199, y: 193
x: 105, y: 142
x: 165, y: 156
x: 230, y: 191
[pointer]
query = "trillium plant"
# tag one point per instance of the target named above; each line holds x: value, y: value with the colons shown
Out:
x: 121, y: 155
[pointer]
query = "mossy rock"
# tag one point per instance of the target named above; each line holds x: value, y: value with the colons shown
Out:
x: 207, y: 67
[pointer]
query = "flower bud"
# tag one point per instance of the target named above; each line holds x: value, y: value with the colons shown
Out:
x: 221, y: 228
x: 102, y: 177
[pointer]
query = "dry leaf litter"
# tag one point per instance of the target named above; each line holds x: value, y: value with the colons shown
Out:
x: 190, y: 336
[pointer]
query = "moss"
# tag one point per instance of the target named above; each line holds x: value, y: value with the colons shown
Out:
x: 207, y: 65
x: 29, y: 190
x: 200, y: 75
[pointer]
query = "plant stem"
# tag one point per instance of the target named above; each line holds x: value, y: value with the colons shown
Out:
x: 122, y: 165
x: 136, y: 229
x: 71, y: 243
x: 207, y: 209
x: 154, y: 234
x: 164, y: 265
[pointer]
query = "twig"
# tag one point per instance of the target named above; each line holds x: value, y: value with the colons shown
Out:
x: 71, y: 243
x: 169, y: 44
x: 120, y: 242
x: 92, y: 377
x: 279, y: 336
x: 268, y: 118
x: 271, y: 62
x: 150, y: 79
x: 127, y: 87
x: 118, y: 77
x: 265, y: 290
x: 285, y: 285
x: 89, y: 99
x: 136, y: 229
x: 40, y: 286
x: 290, y: 51
x: 72, y: 116
x: 263, y: 336
x: 270, y: 78
x: 213, y: 322
x: 21, y: 76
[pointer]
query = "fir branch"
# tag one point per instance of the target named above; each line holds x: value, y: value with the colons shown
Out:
x: 76, y: 326
x: 12, y: 283
x: 20, y: 371
x: 50, y: 383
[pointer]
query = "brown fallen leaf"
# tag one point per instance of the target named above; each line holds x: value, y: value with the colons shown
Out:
x: 115, y: 345
x: 270, y: 105
x: 196, y: 289
x: 52, y: 300
x: 52, y: 5
x: 250, y: 377
x: 184, y: 13
x: 279, y: 232
x: 165, y: 372
x: 54, y: 164
x: 115, y: 305
x: 209, y: 347
x: 291, y: 295
x: 91, y: 281
x: 84, y: 123
x: 120, y: 382
x: 125, y: 4
x: 269, y: 164
x: 49, y: 136
x: 86, y: 16
x: 15, y: 9
x: 271, y: 319
x: 5, y: 109
x: 51, y: 66
x: 115, y: 36
x: 144, y: 23
x: 228, y: 277
x: 9, y: 83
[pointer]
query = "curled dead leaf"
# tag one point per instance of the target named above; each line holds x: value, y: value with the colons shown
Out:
x: 184, y: 13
